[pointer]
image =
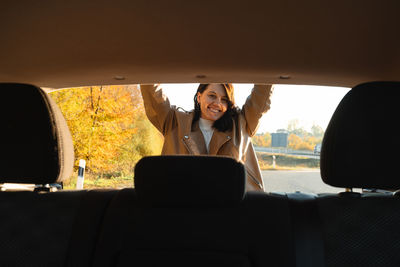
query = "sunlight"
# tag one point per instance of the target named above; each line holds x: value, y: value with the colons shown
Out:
x: 308, y: 104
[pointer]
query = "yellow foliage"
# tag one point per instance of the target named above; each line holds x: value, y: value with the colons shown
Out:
x: 262, y: 140
x: 305, y: 143
x: 103, y: 121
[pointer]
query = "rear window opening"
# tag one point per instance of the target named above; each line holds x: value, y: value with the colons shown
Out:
x: 111, y: 132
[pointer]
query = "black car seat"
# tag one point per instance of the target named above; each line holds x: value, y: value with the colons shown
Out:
x: 359, y: 150
x: 41, y: 228
x: 35, y: 141
x: 193, y: 211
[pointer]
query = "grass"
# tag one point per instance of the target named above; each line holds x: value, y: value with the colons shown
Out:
x: 286, y: 162
x: 95, y: 181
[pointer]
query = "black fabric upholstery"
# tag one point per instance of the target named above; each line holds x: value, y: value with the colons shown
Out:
x: 306, y: 224
x: 117, y: 221
x: 360, y: 143
x: 359, y: 151
x: 51, y: 229
x: 36, y: 145
x: 242, y: 235
x: 360, y: 231
x: 86, y: 227
x: 269, y: 230
x: 189, y: 181
x: 36, y: 228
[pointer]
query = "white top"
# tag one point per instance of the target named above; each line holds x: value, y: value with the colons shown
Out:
x: 207, y: 130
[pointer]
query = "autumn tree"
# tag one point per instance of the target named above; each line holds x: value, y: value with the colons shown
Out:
x: 317, y: 131
x: 295, y: 128
x: 263, y: 139
x: 300, y: 139
x: 302, y: 143
x: 105, y: 122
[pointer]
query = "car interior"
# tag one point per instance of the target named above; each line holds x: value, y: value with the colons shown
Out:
x: 172, y: 216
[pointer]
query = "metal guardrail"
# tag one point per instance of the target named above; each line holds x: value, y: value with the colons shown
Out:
x: 286, y: 151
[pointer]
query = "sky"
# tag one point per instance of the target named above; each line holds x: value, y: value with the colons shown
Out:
x: 308, y: 104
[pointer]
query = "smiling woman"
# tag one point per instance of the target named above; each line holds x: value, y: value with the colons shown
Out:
x: 212, y: 100
x: 215, y: 127
x: 215, y: 103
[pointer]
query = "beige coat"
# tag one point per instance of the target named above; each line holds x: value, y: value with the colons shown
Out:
x: 181, y: 138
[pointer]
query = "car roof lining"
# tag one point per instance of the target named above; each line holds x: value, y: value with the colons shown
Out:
x: 75, y: 43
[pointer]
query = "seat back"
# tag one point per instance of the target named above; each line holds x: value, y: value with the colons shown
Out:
x: 42, y: 229
x: 357, y: 152
x: 358, y: 149
x: 193, y: 211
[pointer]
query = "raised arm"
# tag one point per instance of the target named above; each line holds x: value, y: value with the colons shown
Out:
x: 257, y: 103
x: 157, y: 106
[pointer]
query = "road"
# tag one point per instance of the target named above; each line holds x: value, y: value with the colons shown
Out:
x: 292, y: 181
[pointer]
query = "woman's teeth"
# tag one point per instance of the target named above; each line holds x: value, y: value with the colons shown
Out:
x: 213, y: 110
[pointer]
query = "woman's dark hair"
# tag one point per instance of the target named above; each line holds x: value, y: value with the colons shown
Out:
x: 225, y: 123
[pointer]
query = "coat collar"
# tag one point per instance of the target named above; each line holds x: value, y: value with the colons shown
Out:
x: 218, y: 140
x: 194, y: 139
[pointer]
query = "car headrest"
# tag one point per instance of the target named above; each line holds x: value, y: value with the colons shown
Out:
x: 361, y: 143
x: 36, y: 145
x: 189, y: 181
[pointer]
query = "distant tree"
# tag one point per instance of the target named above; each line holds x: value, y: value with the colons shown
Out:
x: 147, y: 141
x: 263, y: 139
x: 294, y: 141
x: 317, y: 131
x: 294, y: 128
x: 293, y: 125
x: 300, y: 139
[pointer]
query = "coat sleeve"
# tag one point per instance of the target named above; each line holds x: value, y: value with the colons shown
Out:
x: 157, y: 107
x: 257, y: 103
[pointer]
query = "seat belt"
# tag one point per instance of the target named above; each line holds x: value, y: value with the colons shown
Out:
x: 307, y: 230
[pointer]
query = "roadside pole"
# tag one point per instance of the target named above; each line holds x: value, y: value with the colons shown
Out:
x: 273, y: 161
x: 81, y: 173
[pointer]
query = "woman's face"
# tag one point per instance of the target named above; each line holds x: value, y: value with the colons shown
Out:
x: 213, y: 102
